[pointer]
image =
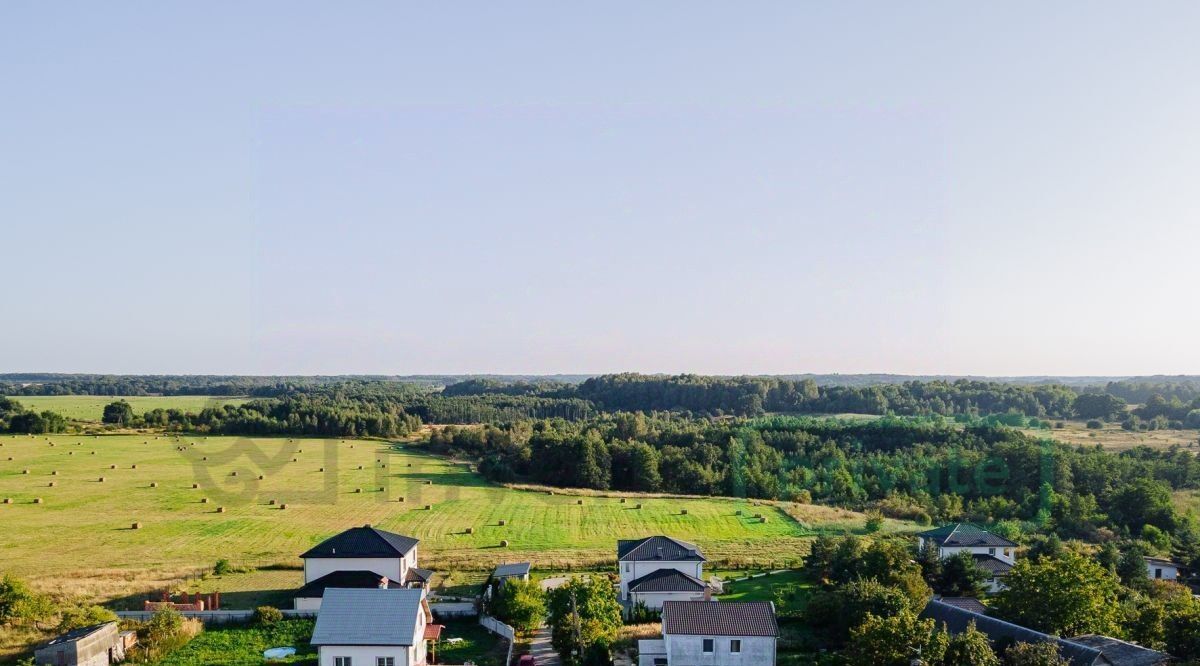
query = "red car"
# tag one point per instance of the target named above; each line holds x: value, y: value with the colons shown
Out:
x: 526, y: 660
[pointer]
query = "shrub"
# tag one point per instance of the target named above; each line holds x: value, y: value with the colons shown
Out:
x: 76, y: 617
x: 874, y: 522
x: 1095, y: 424
x: 222, y: 567
x: 267, y: 615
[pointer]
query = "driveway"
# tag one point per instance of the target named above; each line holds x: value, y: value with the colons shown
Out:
x: 543, y: 653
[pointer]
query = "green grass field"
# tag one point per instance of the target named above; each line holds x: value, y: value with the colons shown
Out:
x: 239, y: 645
x: 91, y: 407
x: 81, y: 534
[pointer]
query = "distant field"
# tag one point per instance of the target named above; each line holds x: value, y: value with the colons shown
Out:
x: 1114, y: 438
x: 91, y: 407
x: 81, y: 534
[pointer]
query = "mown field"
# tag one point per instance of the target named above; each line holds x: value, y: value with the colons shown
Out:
x: 81, y: 534
x: 91, y: 407
x: 1114, y: 438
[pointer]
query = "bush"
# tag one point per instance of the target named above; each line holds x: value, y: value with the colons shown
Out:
x: 222, y: 567
x: 77, y: 617
x: 1095, y: 424
x: 874, y: 522
x: 267, y: 615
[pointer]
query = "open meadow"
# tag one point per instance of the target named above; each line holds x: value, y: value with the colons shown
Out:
x: 1114, y: 438
x: 91, y: 407
x: 73, y: 502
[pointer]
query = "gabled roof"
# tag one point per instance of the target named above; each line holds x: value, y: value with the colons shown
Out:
x: 368, y: 617
x: 715, y: 618
x: 511, y: 570
x: 966, y: 603
x: 345, y: 580
x: 1121, y: 653
x: 365, y: 541
x: 1162, y: 561
x: 657, y: 548
x: 956, y: 620
x: 76, y: 634
x: 666, y: 580
x: 962, y: 535
x: 990, y: 564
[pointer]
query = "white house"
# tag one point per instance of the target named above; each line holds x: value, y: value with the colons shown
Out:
x: 713, y: 633
x: 360, y: 557
x: 659, y: 569
x: 373, y: 627
x: 992, y: 553
x: 1162, y: 569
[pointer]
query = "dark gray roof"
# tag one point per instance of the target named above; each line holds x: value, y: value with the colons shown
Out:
x: 715, y: 618
x: 1003, y: 634
x: 342, y: 579
x: 1120, y: 653
x: 966, y: 603
x: 511, y: 570
x: 658, y: 548
x: 76, y: 634
x: 417, y: 574
x: 367, y: 617
x: 666, y: 580
x: 992, y: 565
x: 365, y: 541
x: 1163, y: 562
x: 961, y: 535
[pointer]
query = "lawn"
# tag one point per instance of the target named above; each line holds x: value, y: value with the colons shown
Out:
x: 763, y: 588
x: 81, y: 536
x: 91, y: 407
x: 478, y: 645
x: 242, y: 645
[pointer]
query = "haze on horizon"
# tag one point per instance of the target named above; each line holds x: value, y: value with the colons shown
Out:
x: 376, y: 188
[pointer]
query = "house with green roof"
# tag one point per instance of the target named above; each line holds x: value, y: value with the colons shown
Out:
x: 992, y: 553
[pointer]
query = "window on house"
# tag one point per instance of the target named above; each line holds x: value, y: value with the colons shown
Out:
x: 659, y: 661
x: 1158, y: 573
x: 708, y: 645
x: 626, y: 567
x: 735, y: 645
x: 341, y: 661
x: 991, y: 551
x: 62, y: 658
x: 385, y: 661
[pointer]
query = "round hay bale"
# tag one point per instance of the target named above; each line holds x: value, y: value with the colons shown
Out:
x: 233, y: 473
x: 93, y: 453
x: 400, y: 499
x: 50, y: 485
x: 295, y: 460
x: 638, y: 506
x: 380, y: 488
x: 220, y: 509
x: 503, y: 522
x: 409, y: 465
x: 271, y: 503
x: 24, y: 471
x: 428, y: 507
x: 195, y: 486
x: 71, y: 453
x: 261, y: 477
x: 763, y: 519
x: 623, y: 500
x: 37, y: 500
x: 470, y: 530
x: 8, y: 500
x: 429, y: 482
x: 549, y: 492
x: 54, y: 473
x: 204, y: 458
x: 133, y: 466
x: 282, y: 506
x: 579, y: 502
x: 683, y: 512
x: 101, y: 479
x: 204, y: 500
x: 153, y: 484
x: 504, y: 543
x: 358, y: 490
x: 112, y: 466
x: 135, y: 526
x: 360, y: 466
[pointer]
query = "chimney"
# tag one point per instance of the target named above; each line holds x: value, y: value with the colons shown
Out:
x: 383, y: 583
x: 660, y: 552
x: 707, y: 593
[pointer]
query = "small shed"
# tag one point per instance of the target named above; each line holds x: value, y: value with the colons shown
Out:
x: 97, y: 645
x: 519, y: 570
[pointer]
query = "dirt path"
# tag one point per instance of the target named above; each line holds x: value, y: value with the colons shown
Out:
x: 540, y: 648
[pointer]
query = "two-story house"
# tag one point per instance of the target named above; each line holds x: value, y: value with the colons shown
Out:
x: 360, y: 557
x: 992, y: 553
x: 373, y: 627
x: 713, y: 633
x: 658, y: 569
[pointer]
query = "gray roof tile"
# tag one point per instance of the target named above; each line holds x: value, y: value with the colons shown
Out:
x: 365, y: 541
x: 657, y: 548
x: 367, y: 617
x: 715, y: 618
x: 666, y: 580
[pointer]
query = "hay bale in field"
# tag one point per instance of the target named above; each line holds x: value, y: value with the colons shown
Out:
x: 112, y: 466
x: 233, y: 473
x: 261, y: 477
x: 623, y: 500
x: 504, y: 544
x: 683, y: 512
x: 101, y: 480
x: 321, y: 470
x: 380, y: 488
x: 295, y: 460
x: 204, y: 458
x: 579, y: 502
x: 195, y: 486
x: 470, y: 530
x: 399, y: 499
x: 429, y: 482
x: 135, y: 526
x: 763, y: 519
x: 639, y: 506
x: 37, y: 500
x: 503, y: 522
x: 153, y: 484
x: 220, y: 509
x: 282, y: 506
x: 738, y: 512
x: 133, y: 466
x: 271, y: 503
x: 8, y: 500
x: 50, y: 485
x: 71, y: 453
x: 358, y: 490
x: 360, y: 466
x: 54, y: 473
x: 204, y: 500
x: 428, y: 507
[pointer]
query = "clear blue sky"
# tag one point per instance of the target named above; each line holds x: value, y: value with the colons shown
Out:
x: 293, y: 187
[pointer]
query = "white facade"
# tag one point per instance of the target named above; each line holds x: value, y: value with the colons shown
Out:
x: 654, y: 600
x: 633, y: 570
x: 367, y: 655
x: 1007, y: 554
x: 307, y: 604
x: 718, y: 651
x: 395, y: 568
x: 1162, y: 570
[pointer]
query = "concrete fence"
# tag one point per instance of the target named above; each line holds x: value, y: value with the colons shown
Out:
x: 500, y: 629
